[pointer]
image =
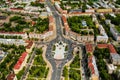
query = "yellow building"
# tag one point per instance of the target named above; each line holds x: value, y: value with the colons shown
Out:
x: 104, y: 10
x: 94, y: 77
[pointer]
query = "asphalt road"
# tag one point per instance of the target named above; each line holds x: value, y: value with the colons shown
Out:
x: 56, y: 74
x: 57, y: 70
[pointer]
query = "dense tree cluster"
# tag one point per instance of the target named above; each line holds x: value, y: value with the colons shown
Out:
x: 74, y: 74
x: 76, y: 62
x: 41, y: 25
x: 14, y: 52
x: 114, y: 20
x: 75, y: 24
x: 37, y: 4
x: 39, y: 68
x: 118, y: 2
x: 72, y: 5
x: 101, y: 54
x: 37, y: 71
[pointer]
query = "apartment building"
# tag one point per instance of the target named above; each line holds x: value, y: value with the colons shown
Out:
x: 93, y: 68
x: 89, y: 48
x: 29, y: 46
x: 12, y: 76
x: 104, y: 10
x: 45, y: 34
x: 114, y: 56
x: 60, y: 9
x: 21, y: 62
x: 22, y: 34
x: 80, y: 14
x: 12, y: 41
x: 90, y: 10
x: 103, y: 37
x: 114, y: 32
x: 73, y: 35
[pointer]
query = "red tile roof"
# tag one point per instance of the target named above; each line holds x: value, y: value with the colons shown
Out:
x: 90, y: 65
x: 30, y: 43
x: 109, y: 46
x: 112, y: 49
x: 11, y: 77
x: 20, y: 61
x: 81, y: 13
x: 16, y: 8
x: 102, y: 45
x: 64, y: 19
x: 50, y: 27
x: 66, y: 28
x: 89, y: 47
x: 33, y: 23
x: 51, y: 19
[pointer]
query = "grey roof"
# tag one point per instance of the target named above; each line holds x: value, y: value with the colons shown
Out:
x: 75, y: 10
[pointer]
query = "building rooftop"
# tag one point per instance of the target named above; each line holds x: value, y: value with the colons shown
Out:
x: 109, y: 46
x: 64, y: 19
x: 51, y: 19
x: 75, y: 10
x: 11, y: 76
x: 92, y: 65
x: 20, y: 61
x: 102, y: 45
x: 3, y: 32
x: 30, y: 43
x: 111, y: 49
x: 89, y: 47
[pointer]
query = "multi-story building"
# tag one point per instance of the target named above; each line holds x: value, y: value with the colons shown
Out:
x: 22, y: 34
x: 46, y: 34
x: 89, y: 48
x: 29, y: 46
x: 12, y: 41
x: 12, y: 76
x: 104, y: 10
x: 114, y: 56
x: 110, y: 68
x: 21, y: 62
x: 90, y: 10
x: 73, y: 35
x: 114, y: 32
x: 103, y: 37
x: 93, y: 68
x: 60, y: 9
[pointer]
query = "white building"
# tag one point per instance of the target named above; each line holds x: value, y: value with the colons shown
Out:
x: 103, y: 37
x: 114, y: 32
x: 111, y: 68
x: 22, y: 34
x: 93, y: 68
x: 12, y: 41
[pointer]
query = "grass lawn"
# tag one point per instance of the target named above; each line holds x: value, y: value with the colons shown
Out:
x: 36, y: 71
x: 74, y: 74
x: 39, y: 60
x: 76, y: 62
x: 65, y: 73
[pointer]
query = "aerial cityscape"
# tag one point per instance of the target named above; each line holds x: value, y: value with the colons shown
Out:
x: 59, y: 39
